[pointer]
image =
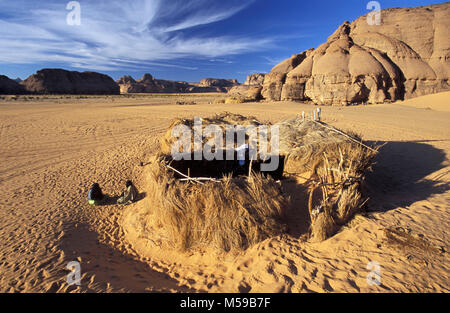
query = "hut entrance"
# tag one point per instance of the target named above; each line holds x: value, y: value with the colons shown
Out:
x: 219, y: 168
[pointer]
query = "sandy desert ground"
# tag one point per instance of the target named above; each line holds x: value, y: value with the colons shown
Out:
x: 53, y: 148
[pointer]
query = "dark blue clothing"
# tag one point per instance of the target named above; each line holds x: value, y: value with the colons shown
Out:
x: 95, y: 193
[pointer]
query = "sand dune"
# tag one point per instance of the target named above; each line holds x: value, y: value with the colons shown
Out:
x: 436, y: 102
x: 53, y: 149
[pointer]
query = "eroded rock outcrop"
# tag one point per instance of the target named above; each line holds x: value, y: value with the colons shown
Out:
x: 256, y: 79
x: 247, y: 92
x: 148, y: 84
x: 58, y: 81
x: 217, y: 82
x: 274, y: 81
x: 406, y: 56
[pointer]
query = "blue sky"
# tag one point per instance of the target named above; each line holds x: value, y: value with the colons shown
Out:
x: 171, y: 39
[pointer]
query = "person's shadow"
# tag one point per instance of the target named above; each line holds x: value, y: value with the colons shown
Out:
x: 401, y: 175
x: 112, y: 200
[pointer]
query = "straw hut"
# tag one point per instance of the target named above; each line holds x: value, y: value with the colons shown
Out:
x: 232, y: 204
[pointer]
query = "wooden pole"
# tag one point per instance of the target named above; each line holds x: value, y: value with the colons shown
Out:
x: 189, y: 178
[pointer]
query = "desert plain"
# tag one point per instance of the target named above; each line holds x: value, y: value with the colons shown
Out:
x: 54, y: 147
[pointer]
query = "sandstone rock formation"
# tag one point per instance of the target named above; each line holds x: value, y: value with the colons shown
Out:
x: 406, y: 56
x: 274, y: 81
x: 58, y: 81
x: 148, y: 84
x: 256, y: 79
x: 10, y: 87
x: 249, y: 93
x: 217, y: 82
x: 127, y: 79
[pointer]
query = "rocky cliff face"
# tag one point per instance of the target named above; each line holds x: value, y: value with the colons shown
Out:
x: 57, y: 81
x: 148, y: 84
x: 10, y: 87
x: 404, y: 57
x: 274, y: 81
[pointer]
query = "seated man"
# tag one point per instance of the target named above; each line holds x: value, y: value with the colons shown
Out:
x: 95, y: 196
x: 129, y: 195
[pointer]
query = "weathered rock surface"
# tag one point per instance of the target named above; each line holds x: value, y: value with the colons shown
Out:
x: 404, y: 57
x: 217, y: 82
x: 58, y: 81
x: 256, y: 79
x: 274, y: 81
x: 10, y: 87
x: 127, y: 79
x: 148, y: 84
x: 250, y: 93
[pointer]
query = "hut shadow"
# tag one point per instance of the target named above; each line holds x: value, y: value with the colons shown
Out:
x: 400, y: 176
x: 105, y: 269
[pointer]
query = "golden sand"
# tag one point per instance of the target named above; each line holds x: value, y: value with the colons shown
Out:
x: 53, y: 149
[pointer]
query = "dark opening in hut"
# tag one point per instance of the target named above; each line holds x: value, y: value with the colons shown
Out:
x: 220, y: 168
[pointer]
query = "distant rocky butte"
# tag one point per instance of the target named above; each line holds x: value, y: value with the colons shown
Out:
x: 404, y: 57
x: 148, y: 84
x: 58, y: 81
x: 10, y: 87
x: 217, y: 82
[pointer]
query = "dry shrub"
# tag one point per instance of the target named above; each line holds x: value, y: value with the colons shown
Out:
x: 219, y: 101
x: 405, y: 241
x: 238, y: 99
x: 234, y: 213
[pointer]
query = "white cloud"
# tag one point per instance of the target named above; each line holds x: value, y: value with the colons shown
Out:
x: 118, y: 34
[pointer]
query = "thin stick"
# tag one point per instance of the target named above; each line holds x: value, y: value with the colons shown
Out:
x: 344, y: 134
x: 189, y: 178
x: 200, y: 179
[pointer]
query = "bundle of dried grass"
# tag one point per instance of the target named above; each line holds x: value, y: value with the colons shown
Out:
x: 233, y: 213
x: 335, y: 163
